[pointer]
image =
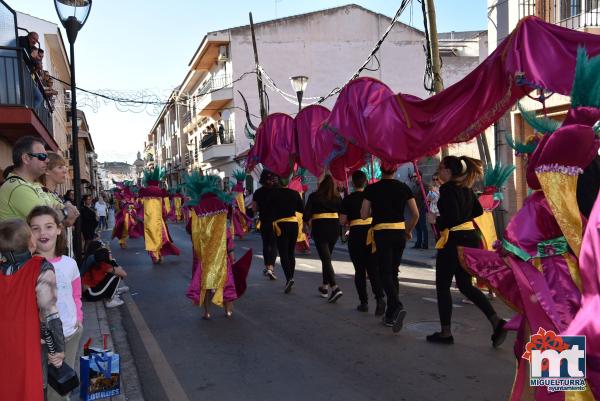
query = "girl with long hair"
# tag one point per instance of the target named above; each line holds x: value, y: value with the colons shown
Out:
x: 458, y: 206
x: 260, y: 200
x: 321, y: 214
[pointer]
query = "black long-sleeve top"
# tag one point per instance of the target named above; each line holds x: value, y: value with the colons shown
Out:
x: 284, y: 202
x: 317, y: 204
x: 457, y: 205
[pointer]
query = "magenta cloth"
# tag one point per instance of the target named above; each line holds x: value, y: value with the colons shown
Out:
x: 275, y: 145
x: 586, y: 321
x: 240, y: 272
x: 369, y: 118
x: 238, y: 219
x: 314, y: 144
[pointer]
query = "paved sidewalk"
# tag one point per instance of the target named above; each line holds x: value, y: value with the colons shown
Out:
x: 98, y: 321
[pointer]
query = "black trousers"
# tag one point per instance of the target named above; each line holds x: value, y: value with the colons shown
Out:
x: 390, y: 247
x: 364, y: 262
x: 268, y: 242
x: 286, y: 245
x: 447, y: 266
x: 104, y: 290
x: 325, y: 233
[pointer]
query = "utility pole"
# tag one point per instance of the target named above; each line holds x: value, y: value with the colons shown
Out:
x: 263, y: 111
x: 438, y: 83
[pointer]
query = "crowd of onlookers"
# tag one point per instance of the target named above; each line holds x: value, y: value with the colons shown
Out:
x: 33, y: 56
x: 42, y: 282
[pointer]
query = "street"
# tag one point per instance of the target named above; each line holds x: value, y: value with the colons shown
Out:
x: 297, y: 346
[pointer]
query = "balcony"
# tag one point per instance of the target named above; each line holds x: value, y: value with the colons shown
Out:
x: 214, y: 93
x: 214, y: 148
x: 18, y: 114
x: 573, y: 14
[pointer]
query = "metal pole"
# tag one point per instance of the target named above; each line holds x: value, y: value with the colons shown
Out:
x: 438, y: 83
x: 300, y: 94
x: 263, y: 111
x: 75, y: 157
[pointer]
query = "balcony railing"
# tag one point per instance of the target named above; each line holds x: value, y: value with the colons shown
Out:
x: 573, y: 14
x: 17, y: 87
x: 215, y: 83
x: 216, y: 139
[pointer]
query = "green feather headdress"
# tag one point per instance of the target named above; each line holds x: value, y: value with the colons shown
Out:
x: 586, y: 85
x: 198, y: 185
x: 498, y: 175
x: 542, y: 124
x: 239, y: 175
x: 376, y: 173
x: 155, y: 174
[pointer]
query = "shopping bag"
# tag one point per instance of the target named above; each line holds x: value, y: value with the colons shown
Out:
x: 100, y: 374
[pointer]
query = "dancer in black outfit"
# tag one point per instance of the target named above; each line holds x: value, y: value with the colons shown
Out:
x: 360, y: 253
x: 322, y: 215
x: 260, y: 199
x: 458, y: 206
x: 283, y: 204
x: 385, y: 201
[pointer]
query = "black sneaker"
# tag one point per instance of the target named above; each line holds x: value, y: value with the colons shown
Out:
x: 380, y: 308
x: 265, y: 270
x: 499, y: 334
x: 363, y: 307
x: 439, y: 339
x: 399, y: 316
x: 270, y: 275
x: 288, y: 286
x: 387, y: 321
x: 323, y: 291
x: 335, y: 295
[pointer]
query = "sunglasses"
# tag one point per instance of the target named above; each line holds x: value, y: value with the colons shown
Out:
x: 40, y: 156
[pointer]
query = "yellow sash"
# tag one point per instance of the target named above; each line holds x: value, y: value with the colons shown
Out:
x: 382, y: 226
x: 444, y: 235
x: 361, y: 222
x: 291, y: 219
x: 318, y: 216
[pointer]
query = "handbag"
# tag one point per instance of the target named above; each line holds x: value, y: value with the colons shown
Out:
x: 63, y: 379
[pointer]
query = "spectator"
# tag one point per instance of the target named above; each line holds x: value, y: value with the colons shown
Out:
x: 51, y: 244
x: 102, y: 209
x: 28, y: 43
x: 421, y: 227
x: 69, y: 197
x: 434, y: 195
x: 20, y: 193
x: 28, y: 288
x: 89, y: 220
x: 40, y: 56
x: 221, y: 131
x: 56, y: 174
x: 101, y: 281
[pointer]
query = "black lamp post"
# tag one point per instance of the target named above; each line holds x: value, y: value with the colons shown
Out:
x: 73, y: 14
x: 299, y: 84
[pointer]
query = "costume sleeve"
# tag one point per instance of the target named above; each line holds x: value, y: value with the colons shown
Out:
x: 477, y: 208
x: 448, y: 208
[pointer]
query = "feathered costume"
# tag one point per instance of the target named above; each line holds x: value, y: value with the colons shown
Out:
x: 240, y: 221
x: 536, y: 272
x: 213, y: 268
x: 156, y: 232
x: 178, y: 201
x: 128, y: 222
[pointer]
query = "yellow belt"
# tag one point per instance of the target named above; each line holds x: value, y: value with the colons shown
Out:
x: 325, y: 216
x: 291, y: 219
x: 444, y: 235
x: 361, y: 222
x: 382, y: 226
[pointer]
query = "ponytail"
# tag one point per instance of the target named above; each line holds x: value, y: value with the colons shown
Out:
x: 465, y: 170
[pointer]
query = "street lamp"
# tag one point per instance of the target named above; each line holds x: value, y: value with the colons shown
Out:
x: 73, y: 14
x: 299, y: 85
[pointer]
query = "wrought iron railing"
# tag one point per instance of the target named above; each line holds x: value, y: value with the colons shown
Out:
x: 573, y: 14
x: 214, y: 84
x: 214, y: 138
x: 17, y: 86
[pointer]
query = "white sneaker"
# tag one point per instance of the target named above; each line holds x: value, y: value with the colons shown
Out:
x: 114, y: 302
x: 122, y: 289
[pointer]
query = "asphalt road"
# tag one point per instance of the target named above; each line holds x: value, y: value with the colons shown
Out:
x: 297, y: 346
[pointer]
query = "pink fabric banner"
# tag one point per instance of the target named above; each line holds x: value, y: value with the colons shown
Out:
x: 368, y: 118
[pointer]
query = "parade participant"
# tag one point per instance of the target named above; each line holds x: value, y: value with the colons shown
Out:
x: 385, y: 202
x: 298, y: 184
x: 215, y: 278
x: 458, y: 206
x: 360, y: 253
x: 127, y: 222
x: 51, y: 244
x: 283, y: 204
x: 28, y: 307
x: 156, y: 233
x: 178, y: 205
x: 321, y: 214
x: 240, y: 221
x: 169, y: 209
x: 535, y: 268
x: 260, y: 200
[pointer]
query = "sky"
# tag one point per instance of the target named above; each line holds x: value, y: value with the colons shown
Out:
x: 142, y: 46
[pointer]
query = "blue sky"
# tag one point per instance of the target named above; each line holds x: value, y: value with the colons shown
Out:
x: 146, y: 45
